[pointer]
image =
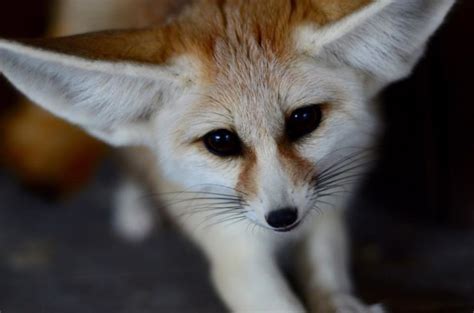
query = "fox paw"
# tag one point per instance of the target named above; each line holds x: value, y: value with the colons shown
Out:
x: 133, y: 219
x: 343, y: 303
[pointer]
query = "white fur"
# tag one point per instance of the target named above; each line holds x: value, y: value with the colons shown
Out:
x: 108, y: 99
x: 344, y: 64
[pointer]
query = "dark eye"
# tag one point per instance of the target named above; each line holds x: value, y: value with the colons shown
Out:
x: 303, y: 121
x: 223, y: 142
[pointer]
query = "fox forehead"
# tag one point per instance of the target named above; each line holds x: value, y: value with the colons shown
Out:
x: 215, y: 29
x: 203, y: 23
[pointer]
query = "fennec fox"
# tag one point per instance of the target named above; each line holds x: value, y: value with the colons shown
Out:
x: 258, y: 118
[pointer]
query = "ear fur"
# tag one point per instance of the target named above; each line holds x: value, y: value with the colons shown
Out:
x: 384, y: 39
x: 107, y: 94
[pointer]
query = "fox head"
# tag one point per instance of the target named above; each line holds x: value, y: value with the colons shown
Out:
x: 267, y: 99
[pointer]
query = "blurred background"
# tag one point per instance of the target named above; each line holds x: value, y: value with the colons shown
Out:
x: 412, y: 226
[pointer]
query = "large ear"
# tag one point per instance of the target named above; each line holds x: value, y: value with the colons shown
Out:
x: 383, y: 39
x: 109, y: 83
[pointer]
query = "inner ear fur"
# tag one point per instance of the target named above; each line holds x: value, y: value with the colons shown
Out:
x: 382, y: 39
x: 110, y: 83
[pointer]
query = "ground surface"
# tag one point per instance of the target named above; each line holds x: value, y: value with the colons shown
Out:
x: 63, y: 258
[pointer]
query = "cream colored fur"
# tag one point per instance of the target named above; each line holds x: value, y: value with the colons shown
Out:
x: 167, y: 107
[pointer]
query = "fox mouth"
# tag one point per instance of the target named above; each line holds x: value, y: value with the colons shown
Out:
x: 288, y: 228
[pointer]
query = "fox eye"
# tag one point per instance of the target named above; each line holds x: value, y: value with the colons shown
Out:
x: 223, y: 142
x: 303, y: 121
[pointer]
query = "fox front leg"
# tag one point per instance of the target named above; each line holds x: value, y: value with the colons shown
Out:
x: 324, y: 268
x: 248, y: 279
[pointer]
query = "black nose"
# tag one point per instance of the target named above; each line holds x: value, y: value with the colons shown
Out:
x: 282, y: 218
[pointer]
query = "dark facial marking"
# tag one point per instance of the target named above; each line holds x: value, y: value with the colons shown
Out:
x: 247, y: 178
x: 297, y: 167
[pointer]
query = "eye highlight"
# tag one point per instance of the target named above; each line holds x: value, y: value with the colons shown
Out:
x: 303, y: 121
x: 223, y: 143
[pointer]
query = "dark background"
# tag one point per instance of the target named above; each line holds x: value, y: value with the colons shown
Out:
x: 428, y: 149
x: 413, y: 229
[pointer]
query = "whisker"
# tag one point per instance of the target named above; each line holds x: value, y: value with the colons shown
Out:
x: 332, y: 193
x: 204, y: 210
x: 212, y: 217
x: 231, y: 211
x: 237, y: 220
x: 337, y: 177
x: 178, y: 201
x: 200, y: 192
x: 217, y: 205
x: 204, y: 193
x: 226, y: 187
x: 343, y: 168
x: 332, y: 205
x: 227, y: 219
x: 349, y: 158
x: 340, y: 181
